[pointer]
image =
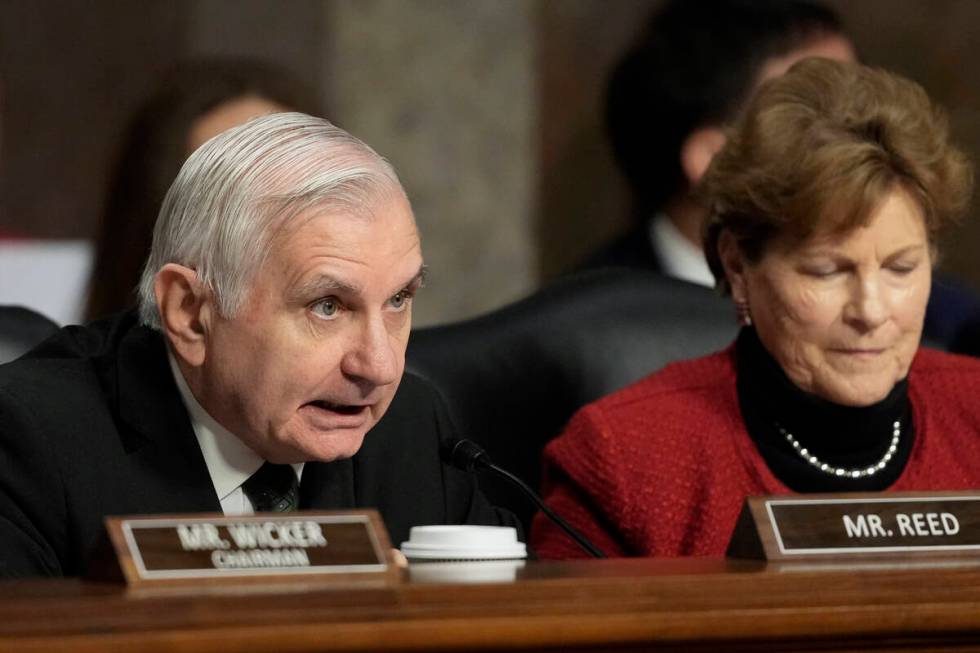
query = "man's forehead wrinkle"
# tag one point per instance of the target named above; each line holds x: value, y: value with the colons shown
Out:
x: 296, y: 213
x: 309, y: 276
x: 291, y: 216
x: 332, y: 238
x: 322, y: 243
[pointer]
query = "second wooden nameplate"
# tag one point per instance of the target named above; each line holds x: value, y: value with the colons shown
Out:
x: 836, y: 526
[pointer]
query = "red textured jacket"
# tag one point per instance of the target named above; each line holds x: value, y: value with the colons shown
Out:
x: 661, y: 468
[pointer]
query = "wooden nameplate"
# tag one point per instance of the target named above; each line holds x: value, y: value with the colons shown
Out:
x: 858, y: 525
x: 163, y: 550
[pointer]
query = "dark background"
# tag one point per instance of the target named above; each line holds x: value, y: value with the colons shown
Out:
x: 489, y: 110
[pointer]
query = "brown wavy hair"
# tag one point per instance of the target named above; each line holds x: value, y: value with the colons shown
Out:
x: 819, y: 149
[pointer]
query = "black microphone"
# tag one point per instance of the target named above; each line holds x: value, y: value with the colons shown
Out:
x: 470, y: 457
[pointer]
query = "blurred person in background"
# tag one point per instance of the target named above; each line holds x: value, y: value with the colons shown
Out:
x: 825, y: 205
x: 196, y: 101
x: 670, y: 98
x: 667, y: 105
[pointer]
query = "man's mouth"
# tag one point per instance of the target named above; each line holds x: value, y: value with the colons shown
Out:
x: 340, y: 409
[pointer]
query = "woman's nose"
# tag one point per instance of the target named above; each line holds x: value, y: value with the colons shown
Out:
x: 867, y: 308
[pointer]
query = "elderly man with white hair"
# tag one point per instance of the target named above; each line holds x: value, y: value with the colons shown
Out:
x: 264, y: 370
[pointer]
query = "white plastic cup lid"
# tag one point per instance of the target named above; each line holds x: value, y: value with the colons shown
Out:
x: 463, y: 543
x: 465, y: 572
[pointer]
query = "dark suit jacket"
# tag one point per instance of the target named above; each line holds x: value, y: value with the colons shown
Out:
x: 634, y: 249
x: 20, y: 329
x: 92, y: 424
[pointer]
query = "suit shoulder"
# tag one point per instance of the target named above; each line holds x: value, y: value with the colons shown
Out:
x: 630, y: 250
x: 69, y: 370
x: 76, y: 342
x: 44, y: 378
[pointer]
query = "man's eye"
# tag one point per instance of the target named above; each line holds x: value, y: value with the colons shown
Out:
x: 326, y: 308
x: 400, y: 299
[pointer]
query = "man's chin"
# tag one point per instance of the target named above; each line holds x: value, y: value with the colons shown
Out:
x: 336, y: 445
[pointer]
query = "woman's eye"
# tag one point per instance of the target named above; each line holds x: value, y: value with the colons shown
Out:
x: 902, y: 268
x: 820, y: 272
x: 327, y: 307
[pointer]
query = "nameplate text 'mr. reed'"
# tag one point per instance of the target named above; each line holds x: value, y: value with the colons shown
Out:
x: 837, y: 526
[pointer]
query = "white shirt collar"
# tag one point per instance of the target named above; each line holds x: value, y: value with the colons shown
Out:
x: 230, y: 461
x: 680, y: 258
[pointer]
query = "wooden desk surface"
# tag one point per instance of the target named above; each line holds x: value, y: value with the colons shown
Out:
x: 690, y: 605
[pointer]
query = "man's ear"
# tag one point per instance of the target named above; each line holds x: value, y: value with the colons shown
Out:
x: 733, y: 260
x: 697, y: 150
x: 185, y: 308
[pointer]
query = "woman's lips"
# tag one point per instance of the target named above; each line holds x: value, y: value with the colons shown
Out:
x: 859, y: 352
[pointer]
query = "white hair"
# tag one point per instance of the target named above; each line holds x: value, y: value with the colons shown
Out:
x: 232, y: 194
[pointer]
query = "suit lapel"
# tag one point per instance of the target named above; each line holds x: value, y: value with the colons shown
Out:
x: 169, y: 472
x: 328, y: 486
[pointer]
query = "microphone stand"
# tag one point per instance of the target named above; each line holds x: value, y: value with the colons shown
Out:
x: 469, y: 456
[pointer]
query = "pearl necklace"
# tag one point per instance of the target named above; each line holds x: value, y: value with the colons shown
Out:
x: 840, y: 471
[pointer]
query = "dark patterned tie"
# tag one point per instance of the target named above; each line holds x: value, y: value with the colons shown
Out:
x: 273, y: 488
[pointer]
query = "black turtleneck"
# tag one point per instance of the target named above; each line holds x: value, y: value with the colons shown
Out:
x: 841, y: 436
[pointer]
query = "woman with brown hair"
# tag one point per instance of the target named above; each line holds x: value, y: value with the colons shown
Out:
x: 196, y: 100
x: 826, y: 201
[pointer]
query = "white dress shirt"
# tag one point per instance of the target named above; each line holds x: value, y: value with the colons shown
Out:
x: 679, y: 257
x: 230, y: 462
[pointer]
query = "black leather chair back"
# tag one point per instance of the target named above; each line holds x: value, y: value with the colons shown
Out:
x: 513, y: 378
x: 21, y: 329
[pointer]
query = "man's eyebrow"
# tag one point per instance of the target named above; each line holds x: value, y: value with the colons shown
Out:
x: 418, y: 281
x: 322, y: 285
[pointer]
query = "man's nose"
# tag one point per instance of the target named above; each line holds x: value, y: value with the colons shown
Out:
x: 373, y: 356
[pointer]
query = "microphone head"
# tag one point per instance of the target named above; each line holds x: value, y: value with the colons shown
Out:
x: 465, y: 455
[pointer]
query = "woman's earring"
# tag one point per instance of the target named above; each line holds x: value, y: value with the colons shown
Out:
x: 742, y: 312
